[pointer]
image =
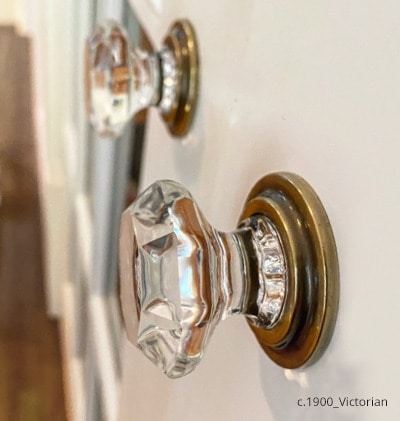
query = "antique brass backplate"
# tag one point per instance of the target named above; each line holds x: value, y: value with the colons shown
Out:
x: 309, y: 312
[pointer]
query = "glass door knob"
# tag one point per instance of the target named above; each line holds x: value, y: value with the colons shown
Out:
x: 180, y: 276
x: 122, y: 79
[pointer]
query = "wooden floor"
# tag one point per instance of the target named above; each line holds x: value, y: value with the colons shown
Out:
x: 30, y: 367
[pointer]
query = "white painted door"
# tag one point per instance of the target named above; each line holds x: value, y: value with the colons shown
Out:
x: 312, y: 88
x: 307, y: 87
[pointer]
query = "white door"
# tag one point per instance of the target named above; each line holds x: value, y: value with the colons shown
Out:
x: 310, y: 88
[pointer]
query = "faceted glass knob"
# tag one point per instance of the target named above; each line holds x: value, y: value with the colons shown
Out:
x: 122, y: 79
x: 180, y: 276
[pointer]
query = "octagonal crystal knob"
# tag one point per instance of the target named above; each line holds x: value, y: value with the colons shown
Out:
x: 180, y: 276
x: 122, y: 79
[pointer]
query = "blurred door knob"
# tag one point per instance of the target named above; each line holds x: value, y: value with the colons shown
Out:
x: 121, y: 79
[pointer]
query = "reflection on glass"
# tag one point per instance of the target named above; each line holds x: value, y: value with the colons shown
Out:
x: 120, y: 81
x: 180, y: 276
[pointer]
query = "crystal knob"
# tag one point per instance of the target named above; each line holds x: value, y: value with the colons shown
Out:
x: 180, y: 276
x: 122, y: 79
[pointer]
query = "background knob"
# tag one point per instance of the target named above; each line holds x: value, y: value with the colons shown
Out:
x: 122, y: 79
x: 180, y: 276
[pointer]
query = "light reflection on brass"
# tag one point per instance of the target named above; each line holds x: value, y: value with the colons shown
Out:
x: 309, y: 315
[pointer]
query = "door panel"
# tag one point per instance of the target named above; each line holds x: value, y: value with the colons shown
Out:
x: 310, y: 89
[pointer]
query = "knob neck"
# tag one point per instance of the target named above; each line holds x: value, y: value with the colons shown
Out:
x: 145, y: 80
x: 253, y: 275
